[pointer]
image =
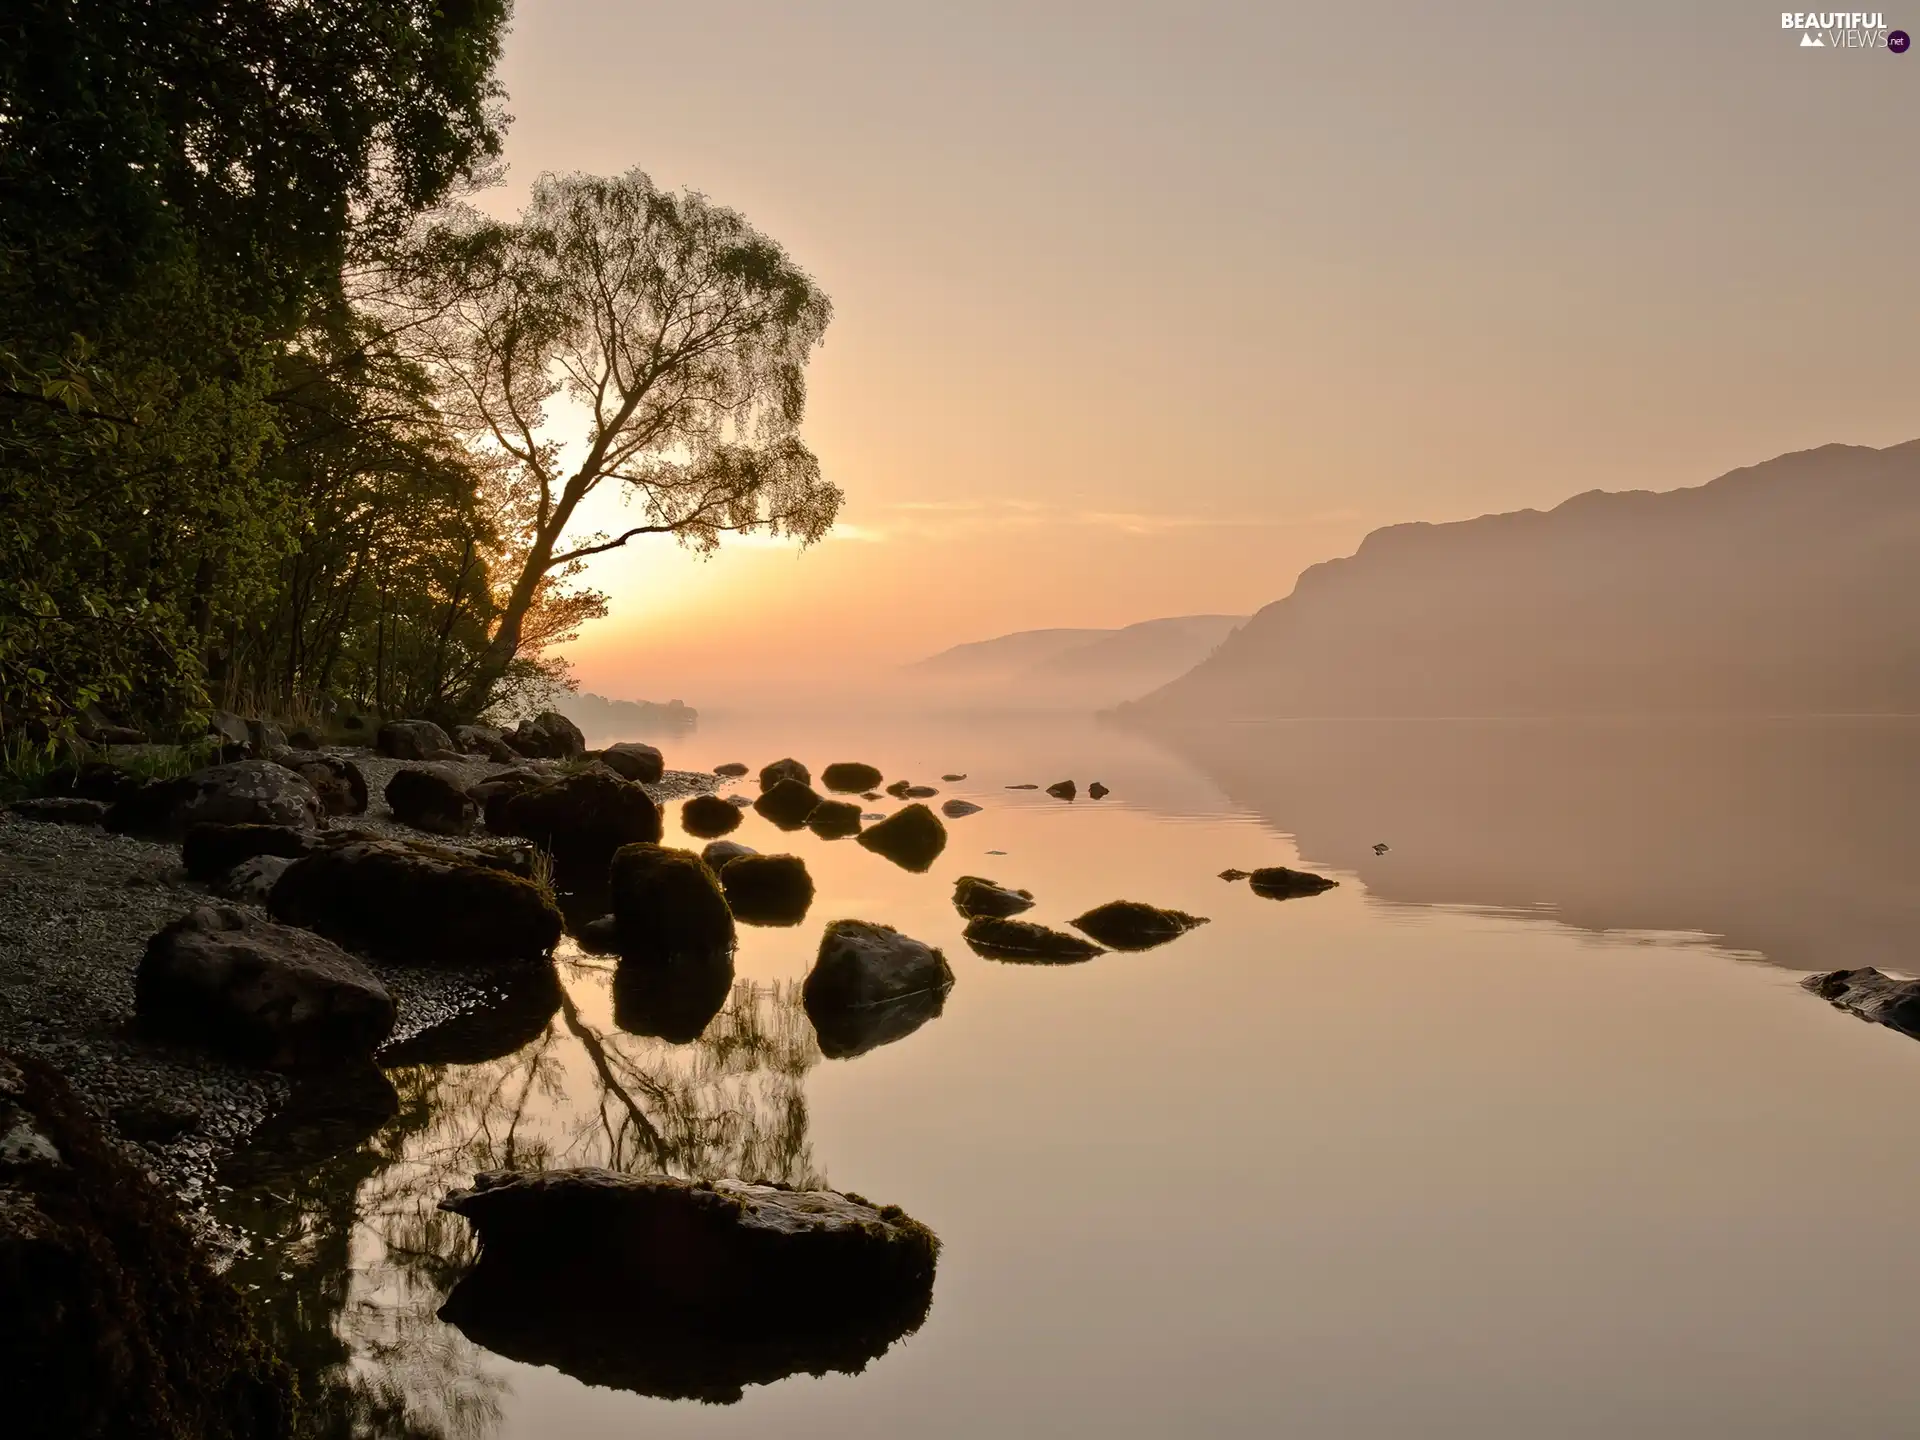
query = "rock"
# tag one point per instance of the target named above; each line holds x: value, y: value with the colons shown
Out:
x: 580, y: 819
x: 768, y: 889
x: 1276, y: 882
x: 91, y: 780
x: 974, y: 897
x: 834, y: 819
x: 340, y: 784
x: 870, y: 796
x: 871, y: 985
x: 997, y: 938
x: 263, y: 738
x: 732, y: 767
x: 1231, y: 874
x: 740, y: 802
x: 634, y: 761
x: 486, y: 741
x: 898, y: 789
x: 953, y: 779
x: 100, y: 728
x: 719, y: 852
x: 112, y: 1321
x: 407, y: 903
x: 705, y: 816
x: 305, y: 737
x: 1019, y: 787
x: 1133, y: 925
x: 912, y: 838
x: 787, y: 803
x: 433, y: 798
x: 667, y: 902
x: 921, y: 792
x: 210, y: 851
x: 227, y: 728
x: 246, y: 792
x: 548, y: 736
x: 515, y: 1005
x: 252, y: 881
x: 1871, y: 995
x: 788, y: 769
x: 411, y: 740
x: 262, y: 993
x: 673, y: 996
x: 599, y: 937
x: 743, y: 1283
x: 148, y: 809
x: 1097, y: 791
x: 491, y: 792
x: 61, y: 810
x: 1061, y: 790
x: 849, y: 777
x: 959, y: 809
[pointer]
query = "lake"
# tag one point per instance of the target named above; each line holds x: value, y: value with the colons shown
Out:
x: 1527, y: 1129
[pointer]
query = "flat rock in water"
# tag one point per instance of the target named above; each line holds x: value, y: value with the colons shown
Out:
x: 719, y: 852
x: 733, y: 768
x: 850, y: 777
x: 953, y: 779
x: 920, y: 792
x: 959, y: 809
x: 912, y: 838
x: 705, y: 816
x: 262, y: 993
x: 870, y: 985
x: 834, y: 819
x: 633, y: 761
x: 974, y: 897
x: 1277, y: 882
x: 787, y: 769
x: 997, y: 938
x: 1062, y: 790
x: 1019, y: 787
x: 1872, y: 995
x: 768, y: 889
x: 1134, y: 925
x: 1234, y: 874
x: 61, y: 810
x: 667, y: 902
x: 686, y: 1289
x: 787, y: 803
x: 740, y: 801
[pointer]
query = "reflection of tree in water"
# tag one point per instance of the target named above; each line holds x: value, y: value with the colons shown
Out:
x: 352, y: 1257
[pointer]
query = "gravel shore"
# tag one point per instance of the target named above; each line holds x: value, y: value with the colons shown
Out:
x: 77, y: 906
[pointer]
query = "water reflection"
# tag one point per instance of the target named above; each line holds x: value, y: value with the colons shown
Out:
x: 350, y: 1258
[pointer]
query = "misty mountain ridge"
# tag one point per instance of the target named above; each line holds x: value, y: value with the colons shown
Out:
x: 1788, y: 587
x: 1070, y: 667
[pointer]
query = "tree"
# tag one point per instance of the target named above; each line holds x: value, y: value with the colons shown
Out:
x: 679, y: 332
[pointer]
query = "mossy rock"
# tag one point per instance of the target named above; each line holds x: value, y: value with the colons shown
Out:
x: 787, y: 769
x: 850, y: 777
x: 974, y: 896
x: 667, y: 902
x: 706, y: 816
x: 580, y: 819
x: 768, y: 889
x: 1134, y: 925
x: 834, y: 819
x: 912, y: 838
x: 870, y: 986
x: 788, y: 803
x: 1277, y: 882
x: 898, y: 789
x: 997, y: 938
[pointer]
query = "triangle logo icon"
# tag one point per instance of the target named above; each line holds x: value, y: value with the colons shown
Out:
x: 1811, y: 41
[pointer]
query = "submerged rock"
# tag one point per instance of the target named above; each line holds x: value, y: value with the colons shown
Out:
x: 719, y: 852
x: 732, y: 768
x: 1097, y: 791
x: 974, y: 896
x: 768, y: 889
x: 787, y: 769
x: 408, y: 903
x: 870, y: 985
x: 674, y: 997
x: 921, y: 792
x: 953, y: 779
x: 433, y: 798
x: 262, y: 993
x: 705, y: 816
x: 633, y: 761
x: 1872, y: 995
x: 1134, y: 925
x: 411, y: 740
x: 997, y: 938
x: 1234, y: 874
x: 959, y: 809
x: 850, y: 777
x: 1062, y: 790
x: 580, y: 819
x: 912, y: 838
x: 112, y: 1322
x: 1019, y: 787
x: 340, y: 784
x: 834, y: 819
x: 787, y: 804
x: 1277, y: 882
x: 666, y: 902
x: 686, y: 1289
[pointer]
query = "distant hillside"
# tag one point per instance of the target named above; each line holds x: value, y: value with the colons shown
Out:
x: 605, y: 721
x: 1071, y: 668
x: 1787, y: 587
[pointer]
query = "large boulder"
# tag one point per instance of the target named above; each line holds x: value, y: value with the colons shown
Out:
x: 548, y: 736
x: 633, y: 761
x: 974, y: 896
x: 834, y: 819
x: 705, y: 816
x: 1277, y: 882
x: 912, y: 838
x: 411, y: 740
x: 484, y: 740
x: 871, y: 985
x: 684, y: 1288
x: 787, y: 769
x: 433, y: 798
x: 340, y: 784
x: 1871, y: 995
x: 262, y: 993
x: 787, y: 803
x: 850, y: 777
x: 244, y: 792
x: 997, y: 938
x: 768, y: 889
x: 1135, y: 925
x: 580, y: 819
x: 112, y: 1321
x: 407, y: 903
x: 490, y: 792
x: 667, y: 902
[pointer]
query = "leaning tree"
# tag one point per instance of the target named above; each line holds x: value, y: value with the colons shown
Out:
x: 672, y: 332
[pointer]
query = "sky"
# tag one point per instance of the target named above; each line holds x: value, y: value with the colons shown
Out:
x: 1139, y: 309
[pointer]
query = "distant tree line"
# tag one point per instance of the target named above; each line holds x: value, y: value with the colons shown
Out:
x: 274, y: 403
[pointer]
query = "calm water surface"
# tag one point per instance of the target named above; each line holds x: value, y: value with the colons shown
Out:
x: 1516, y: 1133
